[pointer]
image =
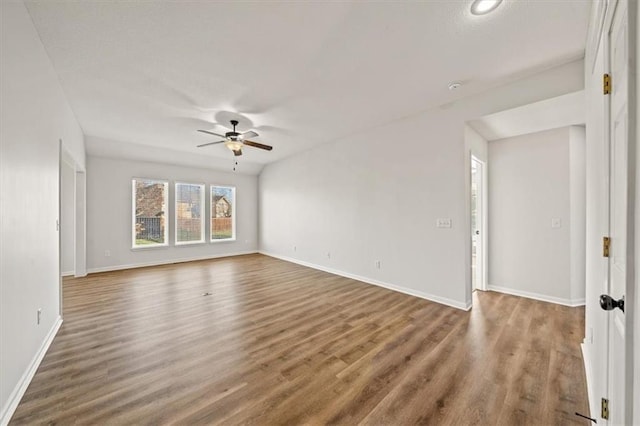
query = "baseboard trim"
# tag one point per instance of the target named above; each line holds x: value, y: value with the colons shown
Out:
x: 25, y: 380
x: 166, y: 262
x: 586, y: 359
x: 68, y: 274
x: 537, y: 296
x: 399, y: 289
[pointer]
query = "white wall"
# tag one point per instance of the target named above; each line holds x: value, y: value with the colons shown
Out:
x: 376, y: 196
x: 561, y: 111
x: 67, y: 218
x: 109, y: 213
x: 35, y: 116
x: 529, y: 184
x: 577, y: 211
x: 476, y: 144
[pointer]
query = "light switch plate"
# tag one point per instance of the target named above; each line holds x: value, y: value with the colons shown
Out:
x: 443, y: 222
x: 556, y: 222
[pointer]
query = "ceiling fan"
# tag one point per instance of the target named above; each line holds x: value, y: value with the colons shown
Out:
x: 234, y: 140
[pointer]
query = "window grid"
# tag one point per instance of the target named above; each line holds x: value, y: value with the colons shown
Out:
x: 189, y: 217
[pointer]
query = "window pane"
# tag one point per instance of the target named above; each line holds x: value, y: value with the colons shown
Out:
x: 189, y: 218
x: 222, y: 213
x: 150, y: 212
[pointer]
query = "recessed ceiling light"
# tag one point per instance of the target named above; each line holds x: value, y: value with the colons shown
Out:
x: 481, y: 7
x: 454, y: 85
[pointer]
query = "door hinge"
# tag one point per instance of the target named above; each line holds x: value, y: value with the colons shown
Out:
x: 604, y: 409
x: 606, y: 242
x: 606, y: 84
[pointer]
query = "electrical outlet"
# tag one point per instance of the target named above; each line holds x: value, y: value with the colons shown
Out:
x: 329, y: 255
x: 39, y: 315
x: 556, y: 223
x: 295, y: 248
x: 107, y: 253
x: 378, y: 264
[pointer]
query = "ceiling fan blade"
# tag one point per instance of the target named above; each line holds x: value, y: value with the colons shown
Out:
x: 211, y: 133
x: 249, y: 134
x: 210, y: 143
x: 258, y: 145
x: 237, y: 152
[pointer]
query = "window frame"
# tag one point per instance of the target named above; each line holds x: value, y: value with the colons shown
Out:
x: 166, y: 214
x: 212, y: 212
x: 203, y: 213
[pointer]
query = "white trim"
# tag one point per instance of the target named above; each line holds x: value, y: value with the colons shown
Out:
x: 150, y: 247
x: 223, y: 240
x: 433, y: 298
x: 166, y: 262
x: 25, y: 380
x: 68, y: 274
x: 537, y: 296
x: 190, y: 243
x: 586, y: 358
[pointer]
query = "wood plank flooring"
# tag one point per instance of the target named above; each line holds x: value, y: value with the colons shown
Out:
x: 278, y: 343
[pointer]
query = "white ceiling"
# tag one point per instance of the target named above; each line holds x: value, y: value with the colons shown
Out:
x: 299, y: 73
x: 561, y: 111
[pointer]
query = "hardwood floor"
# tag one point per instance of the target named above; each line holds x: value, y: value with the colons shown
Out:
x: 278, y: 343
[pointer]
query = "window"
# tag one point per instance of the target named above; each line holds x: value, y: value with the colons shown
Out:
x: 189, y: 217
x: 150, y: 213
x: 223, y: 213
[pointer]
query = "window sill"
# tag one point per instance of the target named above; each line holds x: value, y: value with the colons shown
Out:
x: 190, y: 243
x: 150, y: 247
x: 226, y: 240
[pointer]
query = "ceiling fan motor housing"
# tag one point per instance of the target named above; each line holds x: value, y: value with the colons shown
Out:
x: 233, y: 135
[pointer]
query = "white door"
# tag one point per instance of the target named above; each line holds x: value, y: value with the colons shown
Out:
x: 618, y: 53
x: 477, y: 225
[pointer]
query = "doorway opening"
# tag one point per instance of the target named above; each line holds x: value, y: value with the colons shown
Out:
x: 71, y: 219
x: 478, y: 225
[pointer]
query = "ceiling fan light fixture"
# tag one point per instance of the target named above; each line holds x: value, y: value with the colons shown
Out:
x: 233, y: 145
x: 482, y: 7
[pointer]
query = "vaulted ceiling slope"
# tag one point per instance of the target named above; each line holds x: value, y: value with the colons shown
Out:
x: 299, y: 73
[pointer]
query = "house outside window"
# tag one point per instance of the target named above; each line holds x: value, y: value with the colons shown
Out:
x: 223, y: 226
x: 189, y: 213
x: 149, y: 199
